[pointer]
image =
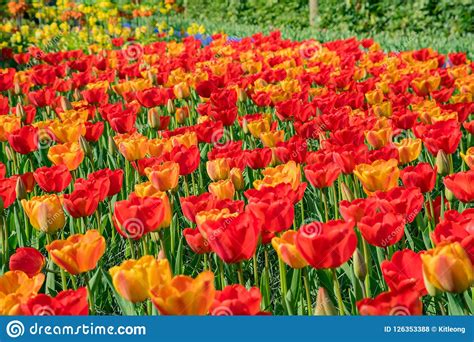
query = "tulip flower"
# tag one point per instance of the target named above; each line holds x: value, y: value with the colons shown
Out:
x: 404, y: 268
x: 223, y: 189
x: 24, y: 140
x: 81, y: 203
x: 28, y: 260
x: 79, y: 253
x: 404, y: 302
x: 133, y: 148
x: 461, y: 184
x: 408, y: 150
x: 45, y: 213
x: 165, y: 176
x: 138, y: 215
x: 379, y: 137
x: 69, y: 154
x: 133, y: 279
x: 66, y: 303
x: 8, y: 191
x: 8, y: 125
x: 285, y: 246
x: 146, y: 189
x: 326, y: 245
x: 422, y: 176
x: 468, y: 157
x: 234, y: 238
x: 382, y: 229
x: 447, y: 268
x: 196, y: 241
x: 380, y: 175
x: 236, y: 300
x: 218, y: 169
x: 114, y: 179
x: 15, y: 289
x: 322, y: 175
x: 184, y: 295
x: 52, y: 179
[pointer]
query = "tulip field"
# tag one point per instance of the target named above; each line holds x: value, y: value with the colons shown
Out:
x: 204, y: 174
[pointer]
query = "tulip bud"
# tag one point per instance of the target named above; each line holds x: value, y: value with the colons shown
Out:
x: 360, y: 268
x: 9, y: 153
x: 85, y: 146
x: 245, y: 127
x: 77, y: 95
x: 20, y: 189
x: 347, y: 194
x: 112, y: 147
x: 442, y: 163
x: 20, y: 111
x: 449, y: 194
x: 181, y: 114
x: 241, y: 95
x: 65, y: 104
x: 161, y: 255
x: 170, y: 106
x: 151, y: 76
x: 324, y: 305
x: 237, y: 178
x: 16, y: 88
x: 153, y: 116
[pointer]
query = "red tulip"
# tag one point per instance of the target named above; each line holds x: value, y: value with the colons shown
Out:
x: 258, y: 158
x: 6, y: 79
x: 443, y: 135
x: 196, y: 241
x: 137, y: 216
x: 81, y: 203
x: 322, y: 175
x: 24, y: 140
x: 356, y: 209
x: 403, y: 302
x: 275, y: 213
x: 66, y: 303
x: 99, y: 186
x: 406, y: 202
x: 404, y: 268
x: 94, y: 131
x: 124, y: 121
x: 233, y: 239
x: 153, y: 97
x: 28, y: 260
x: 382, y: 229
x: 461, y: 184
x: 236, y: 300
x: 327, y: 245
x: 421, y: 176
x: 53, y: 179
x: 97, y: 96
x: 7, y: 191
x: 113, y: 177
x: 41, y: 98
x: 3, y: 170
x: 187, y: 158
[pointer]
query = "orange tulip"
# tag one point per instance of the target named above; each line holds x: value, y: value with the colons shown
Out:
x: 257, y: 127
x: 79, y: 253
x: 184, y: 295
x: 69, y: 154
x: 8, y: 124
x: 408, y: 149
x: 218, y: 169
x: 165, y: 176
x: 375, y: 96
x: 45, y: 213
x: 237, y: 178
x: 223, y: 189
x: 286, y: 173
x: 147, y: 189
x: 68, y: 131
x: 468, y: 157
x: 378, y: 138
x: 448, y: 268
x: 158, y: 147
x: 181, y: 90
x: 270, y: 139
x: 285, y: 246
x: 16, y: 288
x: 187, y: 139
x: 380, y: 175
x: 133, y: 147
x: 133, y: 279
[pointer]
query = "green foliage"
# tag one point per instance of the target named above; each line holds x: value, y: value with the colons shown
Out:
x: 446, y: 17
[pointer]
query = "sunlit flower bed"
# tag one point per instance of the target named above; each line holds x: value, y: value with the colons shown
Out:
x: 248, y: 176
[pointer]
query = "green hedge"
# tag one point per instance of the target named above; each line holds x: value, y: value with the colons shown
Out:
x: 446, y: 17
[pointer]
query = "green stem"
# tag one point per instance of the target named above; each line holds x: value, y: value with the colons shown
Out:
x: 337, y: 290
x: 255, y: 269
x: 89, y: 294
x: 309, y: 304
x: 283, y: 286
x: 240, y: 273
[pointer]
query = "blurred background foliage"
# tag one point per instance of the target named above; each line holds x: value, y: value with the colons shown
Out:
x: 445, y: 16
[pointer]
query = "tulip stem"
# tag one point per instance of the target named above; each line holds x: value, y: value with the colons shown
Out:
x: 267, y: 279
x: 162, y: 242
x: 221, y: 273
x: 132, y: 251
x: 89, y: 293
x: 283, y: 286
x: 240, y: 273
x: 367, y: 263
x: 334, y: 195
x: 63, y: 279
x: 307, y: 290
x: 337, y: 289
x: 255, y: 269
x: 325, y: 202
